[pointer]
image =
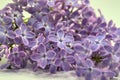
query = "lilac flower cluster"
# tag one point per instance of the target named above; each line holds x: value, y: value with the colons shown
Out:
x: 59, y: 35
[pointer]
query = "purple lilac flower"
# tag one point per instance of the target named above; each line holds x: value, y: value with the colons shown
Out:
x: 61, y: 38
x: 17, y: 17
x: 45, y: 23
x: 24, y: 33
x: 5, y: 33
x: 64, y: 61
x: 88, y: 70
x: 83, y: 48
x: 107, y: 74
x: 114, y: 51
x: 42, y: 57
x: 35, y: 43
x: 97, y: 42
x: 5, y: 20
x: 16, y: 57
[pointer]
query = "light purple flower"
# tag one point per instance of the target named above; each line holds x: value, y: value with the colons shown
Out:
x: 24, y: 33
x: 88, y: 70
x: 64, y: 61
x: 62, y: 39
x: 5, y: 33
x: 51, y: 3
x: 97, y: 41
x: 42, y: 57
x: 16, y: 57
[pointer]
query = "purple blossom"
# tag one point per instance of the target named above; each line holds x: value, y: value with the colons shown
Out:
x: 64, y: 61
x: 35, y: 43
x: 16, y: 57
x: 44, y: 23
x: 24, y: 33
x: 62, y: 39
x: 88, y: 70
x: 97, y: 41
x: 114, y: 51
x: 5, y: 33
x: 42, y: 57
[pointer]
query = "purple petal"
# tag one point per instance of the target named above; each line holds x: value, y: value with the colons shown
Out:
x: 2, y: 37
x: 65, y: 66
x: 51, y: 54
x: 23, y: 28
x: 1, y: 29
x: 35, y: 57
x: 41, y: 38
x: 57, y: 62
x: 100, y: 37
x: 18, y: 32
x: 60, y: 34
x: 78, y: 72
x: 17, y: 61
x: 110, y: 74
x: 69, y: 50
x: 11, y: 34
x: 15, y: 49
x: 110, y: 23
x: 61, y: 45
x: 94, y: 47
x: 116, y: 47
x: 25, y: 41
x: 117, y: 54
x: 53, y: 69
x: 78, y: 48
x: 103, y: 77
x: 69, y: 38
x: 51, y: 3
x: 88, y: 76
x: 30, y: 35
x: 37, y: 25
x: 42, y: 63
x: 108, y: 48
x: 70, y: 59
x: 18, y: 21
x: 52, y: 37
x: 41, y: 49
x: 103, y: 25
x: 89, y: 63
x: 22, y: 54
x: 62, y: 53
x: 96, y: 72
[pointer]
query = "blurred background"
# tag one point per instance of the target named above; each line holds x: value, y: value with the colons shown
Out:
x: 111, y: 11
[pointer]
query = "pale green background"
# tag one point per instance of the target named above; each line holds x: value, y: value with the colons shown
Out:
x: 110, y: 9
